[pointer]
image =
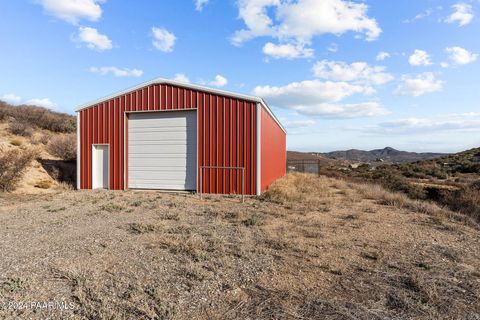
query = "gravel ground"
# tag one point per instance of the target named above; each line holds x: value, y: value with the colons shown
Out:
x: 151, y: 255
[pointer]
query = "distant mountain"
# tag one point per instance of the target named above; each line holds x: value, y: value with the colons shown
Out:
x: 387, y: 154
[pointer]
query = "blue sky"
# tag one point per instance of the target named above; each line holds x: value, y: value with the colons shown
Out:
x: 339, y: 74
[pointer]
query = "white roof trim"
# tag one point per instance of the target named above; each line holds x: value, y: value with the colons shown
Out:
x: 185, y: 85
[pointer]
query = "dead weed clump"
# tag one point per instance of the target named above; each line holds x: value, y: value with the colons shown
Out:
x: 20, y: 129
x: 299, y: 187
x: 63, y: 146
x: 139, y: 228
x: 12, y: 166
x: 44, y: 184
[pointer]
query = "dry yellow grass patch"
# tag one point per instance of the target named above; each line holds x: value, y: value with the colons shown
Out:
x: 313, y: 191
x: 44, y: 184
x: 16, y: 142
x: 402, y: 201
x: 299, y: 187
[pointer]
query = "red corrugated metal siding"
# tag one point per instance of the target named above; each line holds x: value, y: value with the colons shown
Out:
x: 273, y: 153
x: 226, y: 134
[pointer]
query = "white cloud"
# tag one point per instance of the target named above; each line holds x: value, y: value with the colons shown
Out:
x: 419, y: 58
x: 462, y: 14
x: 460, y: 55
x: 382, y: 55
x: 117, y: 72
x: 349, y: 110
x: 11, y: 98
x: 444, y: 64
x: 180, y: 77
x: 93, y: 39
x: 317, y: 98
x: 199, y: 4
x: 449, y: 122
x: 45, y: 102
x: 420, y: 16
x: 357, y: 71
x: 295, y: 124
x: 73, y: 10
x: 308, y: 93
x: 17, y: 100
x: 333, y: 47
x: 419, y: 85
x: 220, y: 81
x: 288, y: 51
x: 302, y: 20
x: 163, y: 40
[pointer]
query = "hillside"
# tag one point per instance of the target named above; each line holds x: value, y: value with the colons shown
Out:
x: 452, y: 180
x: 450, y: 167
x: 311, y: 248
x: 387, y: 154
x: 35, y: 131
x: 305, y: 156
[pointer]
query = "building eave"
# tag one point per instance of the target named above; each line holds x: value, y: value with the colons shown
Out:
x: 188, y: 86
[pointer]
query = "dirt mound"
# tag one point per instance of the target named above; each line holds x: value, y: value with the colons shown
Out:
x: 45, y: 173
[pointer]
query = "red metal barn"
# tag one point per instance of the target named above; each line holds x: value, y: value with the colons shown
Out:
x: 169, y: 135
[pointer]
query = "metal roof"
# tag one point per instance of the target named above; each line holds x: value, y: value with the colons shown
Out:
x: 188, y: 86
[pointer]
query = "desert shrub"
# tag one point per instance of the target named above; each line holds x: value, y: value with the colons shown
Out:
x: 394, y: 181
x: 465, y: 200
x: 16, y: 142
x: 45, y: 139
x: 39, y: 117
x: 40, y: 139
x: 12, y: 166
x: 20, y: 129
x: 63, y: 146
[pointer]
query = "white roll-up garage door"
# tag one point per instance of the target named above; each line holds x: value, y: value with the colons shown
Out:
x: 162, y: 150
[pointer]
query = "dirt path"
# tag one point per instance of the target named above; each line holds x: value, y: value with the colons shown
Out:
x: 155, y: 255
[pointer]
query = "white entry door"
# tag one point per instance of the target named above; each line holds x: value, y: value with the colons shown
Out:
x: 100, y: 167
x: 162, y: 150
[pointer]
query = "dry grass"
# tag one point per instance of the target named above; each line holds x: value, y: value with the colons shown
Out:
x: 16, y: 142
x: 44, y: 184
x: 402, y: 201
x: 148, y: 255
x: 42, y: 139
x: 299, y: 187
x: 64, y: 186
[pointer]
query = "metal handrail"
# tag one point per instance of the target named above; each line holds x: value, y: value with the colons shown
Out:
x: 219, y: 167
